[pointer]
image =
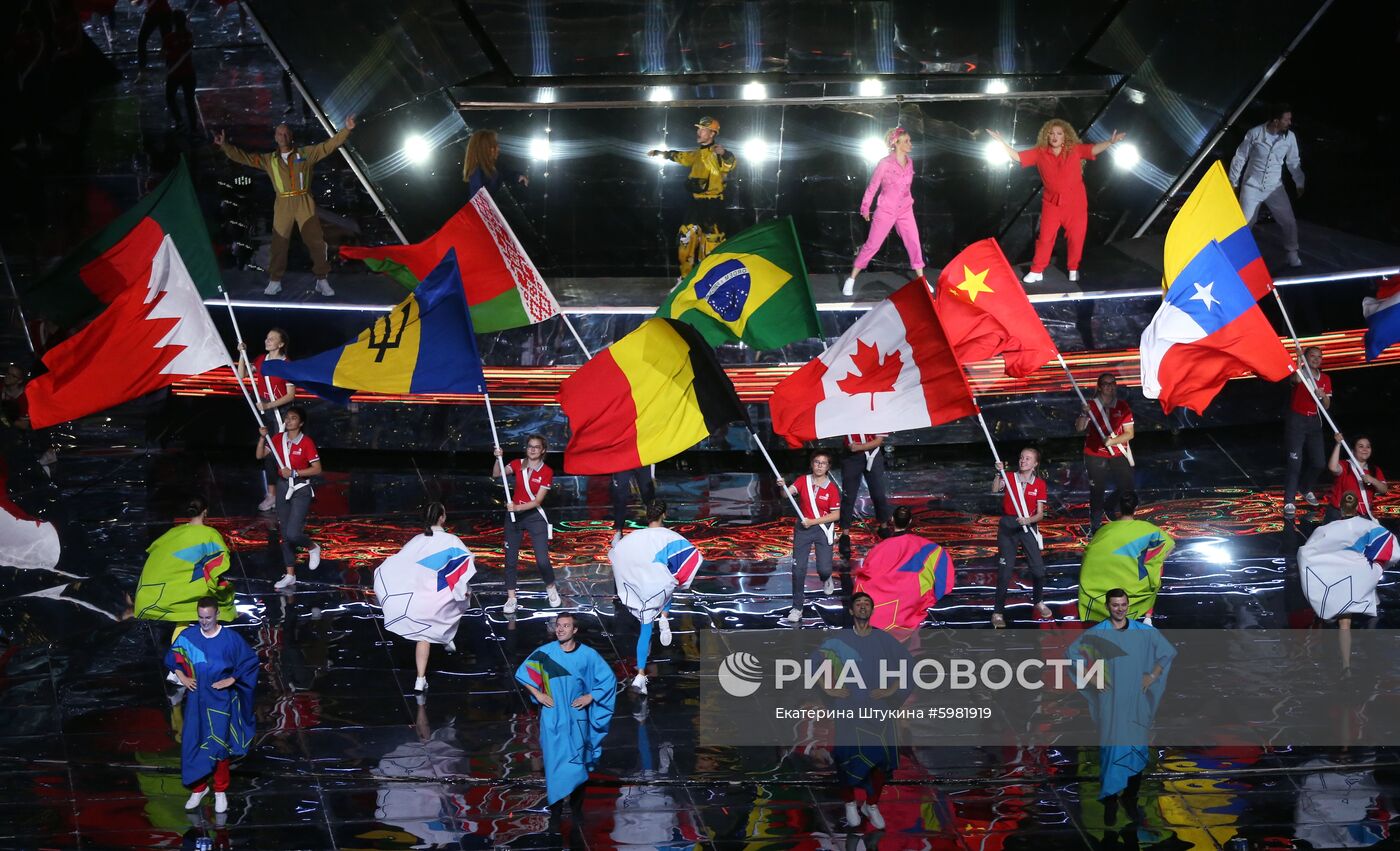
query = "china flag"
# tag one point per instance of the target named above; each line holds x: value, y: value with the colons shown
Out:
x: 986, y: 313
x: 893, y: 370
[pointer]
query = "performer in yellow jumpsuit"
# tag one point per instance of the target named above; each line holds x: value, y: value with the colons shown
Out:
x: 289, y: 167
x: 703, y: 227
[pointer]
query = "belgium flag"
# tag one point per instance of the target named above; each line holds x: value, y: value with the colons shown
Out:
x: 651, y: 395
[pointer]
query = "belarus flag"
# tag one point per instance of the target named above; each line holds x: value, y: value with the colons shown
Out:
x: 1207, y: 331
x: 1382, y: 317
x: 893, y: 370
x: 154, y: 334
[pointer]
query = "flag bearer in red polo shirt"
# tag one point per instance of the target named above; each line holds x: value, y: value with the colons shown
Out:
x: 820, y: 504
x: 533, y: 479
x: 1022, y: 509
x: 1058, y: 155
x: 1107, y: 423
x: 1302, y: 430
x: 298, y: 463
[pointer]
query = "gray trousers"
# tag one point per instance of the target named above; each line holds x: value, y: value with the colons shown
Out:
x: 534, y: 523
x: 291, y: 520
x: 1279, y: 206
x: 803, y: 540
x: 852, y: 469
x: 1011, y: 536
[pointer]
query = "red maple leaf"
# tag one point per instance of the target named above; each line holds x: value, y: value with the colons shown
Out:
x: 873, y: 375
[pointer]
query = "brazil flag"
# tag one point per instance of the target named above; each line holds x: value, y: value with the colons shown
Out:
x: 752, y: 287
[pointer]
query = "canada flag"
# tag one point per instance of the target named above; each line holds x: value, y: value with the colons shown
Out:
x: 893, y: 370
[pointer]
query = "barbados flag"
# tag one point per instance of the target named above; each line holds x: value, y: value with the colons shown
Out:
x: 426, y: 344
x: 752, y: 287
x: 1212, y: 214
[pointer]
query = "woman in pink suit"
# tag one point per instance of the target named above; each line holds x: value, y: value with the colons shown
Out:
x: 1058, y: 155
x: 893, y: 177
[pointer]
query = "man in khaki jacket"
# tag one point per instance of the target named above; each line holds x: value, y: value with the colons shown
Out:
x: 289, y: 168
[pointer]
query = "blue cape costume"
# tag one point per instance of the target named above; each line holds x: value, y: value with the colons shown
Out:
x: 572, y: 739
x: 218, y: 722
x: 1123, y: 711
x: 863, y: 745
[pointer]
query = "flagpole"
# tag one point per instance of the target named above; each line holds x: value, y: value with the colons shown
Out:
x: 500, y: 461
x: 1123, y: 448
x: 776, y: 474
x: 564, y: 316
x: 1305, y: 374
x: 1005, y: 479
x: 252, y: 406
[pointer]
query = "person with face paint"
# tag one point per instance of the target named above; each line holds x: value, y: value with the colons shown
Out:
x: 1059, y: 157
x: 1365, y: 480
x: 820, y: 503
x: 1022, y: 509
x: 704, y: 226
x: 576, y: 692
x: 1302, y: 430
x: 274, y: 395
x: 299, y: 462
x: 290, y: 169
x: 220, y: 671
x: 893, y: 179
x: 1107, y: 423
x: 533, y: 479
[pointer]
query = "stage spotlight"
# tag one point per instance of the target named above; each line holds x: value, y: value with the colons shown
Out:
x: 1126, y: 156
x: 539, y: 148
x: 871, y: 88
x: 661, y: 94
x: 874, y: 149
x: 1136, y: 96
x: 754, y: 91
x: 995, y: 153
x: 755, y: 151
x: 545, y: 95
x: 416, y: 149
x: 996, y: 87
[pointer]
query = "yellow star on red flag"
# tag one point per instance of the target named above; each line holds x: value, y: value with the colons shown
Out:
x: 974, y: 283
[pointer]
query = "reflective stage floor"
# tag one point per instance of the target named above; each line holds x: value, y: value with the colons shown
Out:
x: 347, y: 757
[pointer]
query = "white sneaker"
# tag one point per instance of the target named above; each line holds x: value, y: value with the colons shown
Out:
x: 287, y: 581
x: 553, y: 594
x: 313, y: 557
x: 193, y: 801
x: 848, y: 289
x: 852, y: 816
x: 420, y: 684
x: 1310, y: 498
x: 872, y: 812
x: 639, y: 683
x: 273, y: 288
x: 323, y: 287
x: 510, y: 606
x: 1033, y: 277
x: 1073, y: 275
x: 269, y: 502
x: 664, y: 624
x: 829, y: 587
x: 794, y: 616
x: 220, y: 802
x: 1289, y: 509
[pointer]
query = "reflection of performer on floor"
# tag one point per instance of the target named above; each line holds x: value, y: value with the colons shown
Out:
x: 704, y: 225
x: 1022, y: 509
x: 533, y: 479
x: 1107, y: 423
x: 820, y: 505
x: 864, y: 458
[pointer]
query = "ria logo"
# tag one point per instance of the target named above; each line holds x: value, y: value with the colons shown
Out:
x: 740, y: 674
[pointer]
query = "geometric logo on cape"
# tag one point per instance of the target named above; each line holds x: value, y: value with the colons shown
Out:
x: 725, y: 288
x: 1144, y: 549
x: 542, y: 668
x: 931, y: 563
x: 449, y: 564
x: 682, y: 559
x: 206, y: 558
x: 1377, y: 545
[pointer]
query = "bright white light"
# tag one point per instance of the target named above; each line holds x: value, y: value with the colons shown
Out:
x: 874, y: 149
x: 871, y: 88
x: 545, y: 95
x: 539, y: 148
x: 416, y: 149
x: 995, y: 153
x: 1126, y: 156
x: 754, y: 91
x: 996, y: 87
x: 755, y: 151
x: 1137, y: 96
x: 661, y: 94
x: 1214, y: 553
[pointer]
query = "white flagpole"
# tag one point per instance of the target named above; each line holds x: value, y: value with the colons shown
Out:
x: 776, y: 474
x: 564, y: 316
x: 252, y: 406
x: 1305, y: 373
x: 501, y: 461
x: 1122, y: 448
x: 1005, y: 479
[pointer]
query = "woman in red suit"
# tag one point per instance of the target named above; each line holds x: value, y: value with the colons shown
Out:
x: 1058, y: 155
